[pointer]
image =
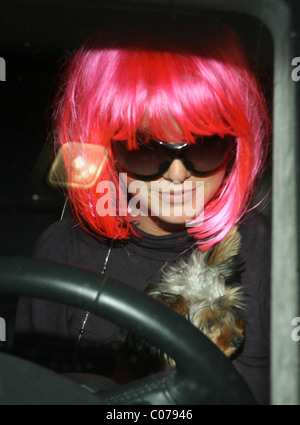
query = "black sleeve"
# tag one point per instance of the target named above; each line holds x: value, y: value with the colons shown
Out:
x: 41, y: 324
x: 53, y: 242
x: 254, y: 360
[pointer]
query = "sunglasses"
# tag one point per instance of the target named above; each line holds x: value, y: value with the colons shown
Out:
x: 152, y: 159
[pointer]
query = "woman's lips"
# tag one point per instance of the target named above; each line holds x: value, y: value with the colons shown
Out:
x: 178, y: 197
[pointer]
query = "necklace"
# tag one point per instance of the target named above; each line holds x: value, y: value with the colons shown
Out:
x: 87, y: 313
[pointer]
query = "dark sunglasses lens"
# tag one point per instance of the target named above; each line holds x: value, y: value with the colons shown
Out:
x: 209, y: 153
x: 145, y: 161
x: 152, y: 159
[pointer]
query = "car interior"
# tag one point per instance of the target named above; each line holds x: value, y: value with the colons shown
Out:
x: 36, y: 37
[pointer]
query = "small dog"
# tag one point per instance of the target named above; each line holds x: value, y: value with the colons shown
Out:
x: 206, y: 291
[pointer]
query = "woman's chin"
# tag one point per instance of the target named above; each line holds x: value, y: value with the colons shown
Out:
x: 162, y: 225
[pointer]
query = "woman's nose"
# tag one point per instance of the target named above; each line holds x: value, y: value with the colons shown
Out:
x: 177, y: 172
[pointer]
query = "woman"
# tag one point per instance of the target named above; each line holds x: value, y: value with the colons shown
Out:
x: 181, y: 127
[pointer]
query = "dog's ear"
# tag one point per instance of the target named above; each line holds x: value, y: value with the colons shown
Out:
x: 226, y: 249
x: 231, y: 301
x: 224, y: 256
x: 175, y: 301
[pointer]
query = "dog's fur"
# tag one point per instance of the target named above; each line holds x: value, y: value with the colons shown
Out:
x: 206, y: 291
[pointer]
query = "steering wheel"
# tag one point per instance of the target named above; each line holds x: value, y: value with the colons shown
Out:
x: 203, y: 375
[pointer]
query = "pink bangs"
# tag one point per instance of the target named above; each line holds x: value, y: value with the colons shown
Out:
x: 112, y: 92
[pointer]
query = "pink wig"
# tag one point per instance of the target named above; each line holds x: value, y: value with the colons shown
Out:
x: 201, y: 82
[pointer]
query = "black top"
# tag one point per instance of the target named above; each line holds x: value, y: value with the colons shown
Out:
x: 49, y: 332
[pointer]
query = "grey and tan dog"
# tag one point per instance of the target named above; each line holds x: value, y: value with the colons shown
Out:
x: 204, y: 290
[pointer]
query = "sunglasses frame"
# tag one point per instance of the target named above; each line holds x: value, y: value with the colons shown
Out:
x: 177, y: 151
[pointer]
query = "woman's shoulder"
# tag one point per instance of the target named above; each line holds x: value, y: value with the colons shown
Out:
x: 255, y: 257
x: 256, y: 218
x: 255, y: 229
x: 54, y: 242
x: 58, y: 229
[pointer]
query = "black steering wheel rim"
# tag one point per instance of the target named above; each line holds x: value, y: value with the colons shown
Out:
x: 203, y: 375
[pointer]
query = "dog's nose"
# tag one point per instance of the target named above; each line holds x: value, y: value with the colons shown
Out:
x: 237, y: 341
